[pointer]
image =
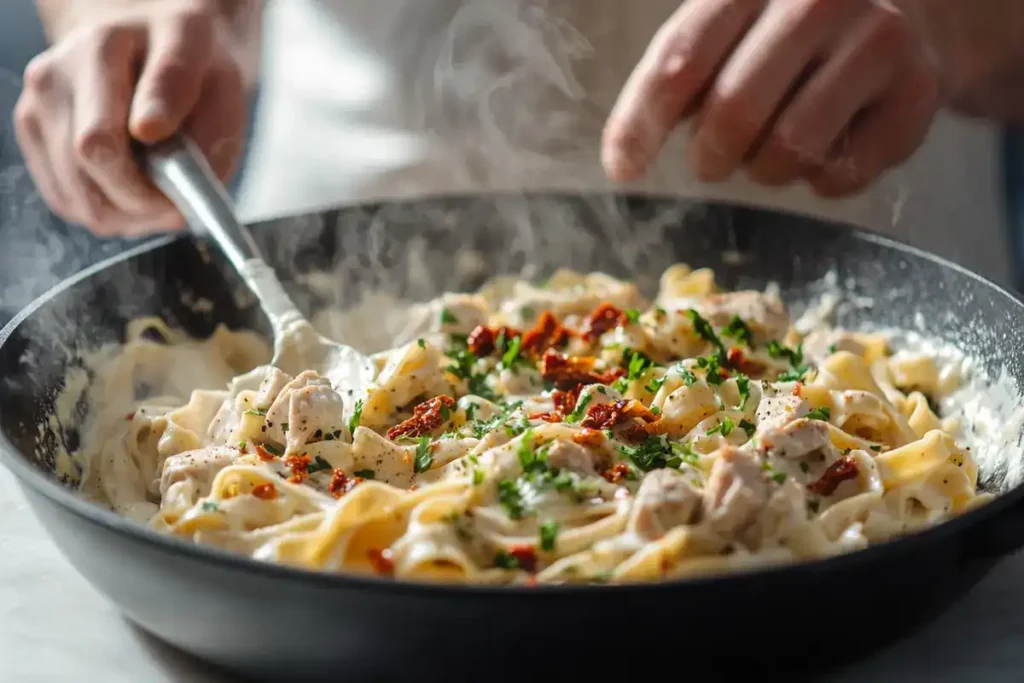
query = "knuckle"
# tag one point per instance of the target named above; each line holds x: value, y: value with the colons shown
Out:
x: 192, y: 17
x: 890, y: 30
x: 26, y: 116
x: 112, y: 42
x: 95, y: 145
x: 732, y: 115
x: 40, y: 73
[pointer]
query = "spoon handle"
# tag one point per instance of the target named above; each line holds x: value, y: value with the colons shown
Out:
x: 180, y: 170
x: 178, y: 167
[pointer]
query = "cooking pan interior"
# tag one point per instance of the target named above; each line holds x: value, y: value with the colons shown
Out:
x: 417, y: 249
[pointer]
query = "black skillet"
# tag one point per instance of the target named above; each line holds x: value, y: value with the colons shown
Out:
x: 283, y: 624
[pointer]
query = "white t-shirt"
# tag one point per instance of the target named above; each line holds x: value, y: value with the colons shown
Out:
x: 374, y: 99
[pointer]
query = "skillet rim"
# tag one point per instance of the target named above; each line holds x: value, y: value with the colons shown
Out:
x: 47, y: 486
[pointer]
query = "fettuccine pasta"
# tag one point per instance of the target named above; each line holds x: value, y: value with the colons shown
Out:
x: 566, y: 432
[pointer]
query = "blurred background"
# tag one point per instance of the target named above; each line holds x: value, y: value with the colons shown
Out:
x: 38, y: 249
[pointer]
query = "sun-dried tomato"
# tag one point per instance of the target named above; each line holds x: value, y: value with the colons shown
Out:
x: 838, y: 472
x: 605, y: 317
x: 426, y: 417
x: 608, y: 415
x: 739, y: 361
x: 565, y: 401
x: 636, y: 432
x: 548, y: 333
x: 551, y: 417
x: 381, y: 561
x: 130, y: 416
x: 568, y: 372
x: 588, y: 437
x: 483, y: 341
x: 299, y: 465
x: 263, y: 454
x: 617, y: 473
x: 526, y: 555
x: 341, y: 483
x: 265, y: 491
x: 798, y: 389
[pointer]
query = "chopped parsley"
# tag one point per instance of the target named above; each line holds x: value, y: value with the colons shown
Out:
x: 712, y: 368
x: 478, y: 477
x: 447, y: 318
x: 208, y: 506
x: 423, y: 459
x: 621, y: 385
x: 638, y: 364
x: 795, y: 358
x: 654, y: 385
x: 511, y: 356
x: 740, y: 331
x: 748, y: 427
x: 653, y: 453
x: 357, y: 414
x: 241, y: 445
x: 832, y: 348
x: 632, y: 315
x: 743, y: 386
x: 876, y: 447
x: 272, y: 449
x: 463, y: 362
x: 685, y: 453
x: 422, y: 343
x: 471, y: 409
x: 510, y: 498
x: 318, y: 465
x: 823, y: 414
x: 580, y: 410
x: 724, y: 427
x: 655, y: 410
x: 258, y: 412
x: 688, y: 377
x: 548, y: 535
x: 704, y: 330
x: 365, y: 474
x: 779, y: 477
x: 505, y: 560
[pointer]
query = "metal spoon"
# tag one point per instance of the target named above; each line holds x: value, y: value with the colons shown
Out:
x: 178, y: 167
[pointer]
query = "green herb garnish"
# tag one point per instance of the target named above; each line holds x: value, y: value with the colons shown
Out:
x: 655, y: 384
x: 447, y: 318
x: 357, y: 414
x: 208, y: 506
x: 365, y: 474
x: 632, y: 315
x: 505, y: 560
x: 748, y: 427
x: 743, y: 386
x: 724, y: 427
x: 740, y: 331
x: 580, y: 410
x: 548, y: 535
x: 258, y: 412
x: 423, y: 459
x: 318, y: 465
x: 823, y: 414
x: 422, y: 343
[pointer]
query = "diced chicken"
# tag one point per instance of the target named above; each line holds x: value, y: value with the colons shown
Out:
x: 448, y: 314
x: 735, y: 493
x: 765, y: 315
x: 303, y: 406
x: 270, y: 388
x: 200, y: 466
x: 315, y: 412
x: 566, y: 455
x: 798, y: 439
x: 664, y: 500
x: 775, y: 411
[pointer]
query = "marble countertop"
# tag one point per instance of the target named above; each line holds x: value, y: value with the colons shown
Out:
x: 55, y: 627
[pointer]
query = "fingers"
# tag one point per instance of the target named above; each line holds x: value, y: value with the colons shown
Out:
x: 28, y: 128
x: 100, y: 143
x: 681, y: 60
x: 752, y: 86
x: 179, y: 49
x: 855, y: 75
x: 883, y: 137
x: 218, y: 121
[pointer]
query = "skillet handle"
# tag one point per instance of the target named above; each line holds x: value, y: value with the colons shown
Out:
x: 178, y: 167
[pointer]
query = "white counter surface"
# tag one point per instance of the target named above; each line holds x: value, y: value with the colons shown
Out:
x: 54, y: 627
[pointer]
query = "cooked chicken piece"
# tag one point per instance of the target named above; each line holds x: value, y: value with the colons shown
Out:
x: 314, y: 413
x: 664, y: 500
x: 270, y: 388
x: 200, y: 466
x: 775, y: 411
x: 797, y: 439
x: 765, y: 315
x: 566, y: 455
x: 735, y: 493
x: 304, y: 406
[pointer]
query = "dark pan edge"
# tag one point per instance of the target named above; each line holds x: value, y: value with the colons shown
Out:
x: 46, y: 486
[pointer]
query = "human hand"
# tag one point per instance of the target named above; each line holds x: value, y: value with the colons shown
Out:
x: 130, y: 70
x: 835, y: 92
